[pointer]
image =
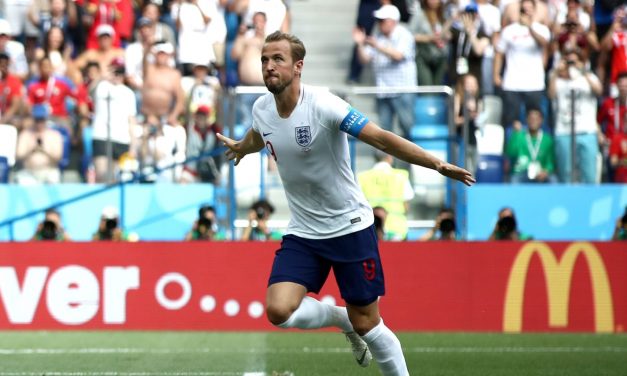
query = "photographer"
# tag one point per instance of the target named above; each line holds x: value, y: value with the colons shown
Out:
x: 506, y: 227
x: 620, y: 231
x: 109, y: 226
x: 444, y: 228
x: 51, y: 229
x: 206, y: 226
x: 257, y: 228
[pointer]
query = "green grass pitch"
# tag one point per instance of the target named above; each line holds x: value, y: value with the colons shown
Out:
x: 120, y: 353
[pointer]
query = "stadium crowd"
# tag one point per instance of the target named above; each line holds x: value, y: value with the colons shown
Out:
x: 76, y: 74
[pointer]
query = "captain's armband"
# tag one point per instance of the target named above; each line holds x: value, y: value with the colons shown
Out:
x: 353, y: 123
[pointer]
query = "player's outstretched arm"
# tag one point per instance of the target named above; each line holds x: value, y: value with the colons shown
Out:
x: 251, y: 143
x: 409, y: 152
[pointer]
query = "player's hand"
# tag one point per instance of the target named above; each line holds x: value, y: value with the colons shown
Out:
x: 457, y: 173
x: 233, y: 151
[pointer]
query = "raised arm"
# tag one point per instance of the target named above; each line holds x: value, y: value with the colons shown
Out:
x: 409, y: 152
x: 251, y: 143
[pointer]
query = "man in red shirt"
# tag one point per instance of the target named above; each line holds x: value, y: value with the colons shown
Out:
x: 618, y: 157
x: 615, y: 43
x: 52, y: 91
x: 611, y: 115
x: 11, y: 91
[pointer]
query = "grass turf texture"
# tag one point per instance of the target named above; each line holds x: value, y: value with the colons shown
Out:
x: 312, y: 353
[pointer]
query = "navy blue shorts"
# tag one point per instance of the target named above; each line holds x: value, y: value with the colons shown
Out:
x: 354, y: 258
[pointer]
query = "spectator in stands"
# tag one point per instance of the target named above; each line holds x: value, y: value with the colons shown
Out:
x: 490, y: 17
x: 99, y: 13
x: 611, y: 118
x: 161, y: 146
x: 258, y: 229
x: 531, y: 152
x: 444, y: 227
x: 467, y: 45
x: 380, y: 216
x: 365, y: 22
x: 571, y: 75
x: 11, y: 93
x: 506, y: 227
x: 201, y: 139
x: 114, y: 121
x: 392, y: 53
x: 275, y: 10
x: 54, y: 92
x: 134, y: 53
x: 39, y: 150
x: 162, y: 93
x: 105, y: 52
x: 46, y: 14
x: 523, y: 45
x: 614, y: 43
x: 431, y: 34
x: 162, y: 31
x: 55, y: 48
x: 467, y: 103
x: 618, y: 155
x: 247, y: 52
x: 512, y: 12
x: 18, y: 64
x: 109, y: 226
x: 573, y: 30
x: 390, y: 188
x: 206, y: 226
x: 202, y: 89
x: 51, y: 228
x: 192, y: 23
x: 620, y: 231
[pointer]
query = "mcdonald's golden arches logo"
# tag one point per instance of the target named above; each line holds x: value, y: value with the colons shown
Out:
x: 558, y: 276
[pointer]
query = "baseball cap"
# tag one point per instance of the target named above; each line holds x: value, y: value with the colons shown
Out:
x: 144, y: 21
x: 471, y: 8
x: 105, y: 29
x: 203, y: 109
x: 163, y: 47
x: 109, y: 212
x: 388, y: 11
x: 39, y: 111
x: 5, y: 27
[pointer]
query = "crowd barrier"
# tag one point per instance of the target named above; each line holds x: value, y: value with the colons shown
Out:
x: 439, y: 286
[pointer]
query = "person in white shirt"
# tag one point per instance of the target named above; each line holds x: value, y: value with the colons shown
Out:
x: 15, y: 50
x: 193, y: 18
x: 305, y: 130
x: 569, y: 77
x: 523, y: 45
x: 114, y: 120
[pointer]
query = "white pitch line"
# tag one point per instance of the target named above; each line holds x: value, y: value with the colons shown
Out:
x: 116, y: 373
x: 318, y: 350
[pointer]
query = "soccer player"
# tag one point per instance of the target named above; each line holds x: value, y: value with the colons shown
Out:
x: 305, y: 131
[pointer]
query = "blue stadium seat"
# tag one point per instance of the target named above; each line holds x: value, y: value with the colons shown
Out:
x: 4, y: 170
x: 422, y: 131
x: 67, y: 144
x: 431, y: 109
x: 490, y: 169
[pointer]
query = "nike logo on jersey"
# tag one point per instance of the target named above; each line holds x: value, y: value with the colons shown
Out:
x: 266, y: 134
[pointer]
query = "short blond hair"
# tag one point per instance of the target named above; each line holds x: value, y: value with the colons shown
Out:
x: 296, y: 45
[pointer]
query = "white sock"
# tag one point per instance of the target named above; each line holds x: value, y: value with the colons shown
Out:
x: 313, y: 314
x: 386, y: 350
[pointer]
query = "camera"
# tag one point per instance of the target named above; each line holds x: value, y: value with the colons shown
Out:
x: 447, y: 225
x: 260, y: 212
x: 111, y: 224
x: 49, y: 230
x: 204, y: 224
x: 506, y: 225
x: 152, y: 129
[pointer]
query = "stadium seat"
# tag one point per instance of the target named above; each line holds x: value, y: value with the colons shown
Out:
x: 420, y: 132
x: 490, y: 139
x: 67, y: 144
x: 431, y: 109
x: 490, y: 169
x: 493, y: 109
x: 8, y: 143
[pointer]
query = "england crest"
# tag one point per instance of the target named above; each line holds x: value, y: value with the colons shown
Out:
x: 303, y: 136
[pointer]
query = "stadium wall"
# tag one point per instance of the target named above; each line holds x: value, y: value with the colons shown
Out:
x: 438, y: 286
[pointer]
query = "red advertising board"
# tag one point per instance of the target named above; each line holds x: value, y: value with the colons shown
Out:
x: 436, y: 286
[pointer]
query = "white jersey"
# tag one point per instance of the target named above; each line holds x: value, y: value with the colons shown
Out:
x: 313, y: 158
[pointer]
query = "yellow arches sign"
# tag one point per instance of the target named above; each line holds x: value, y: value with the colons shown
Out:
x: 558, y: 275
